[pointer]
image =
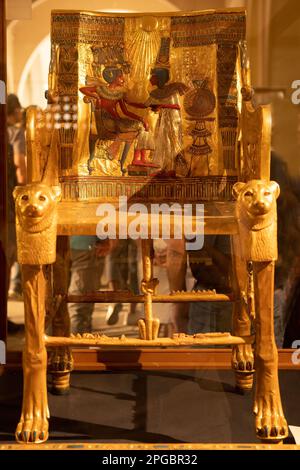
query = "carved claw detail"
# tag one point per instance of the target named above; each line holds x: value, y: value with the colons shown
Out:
x: 242, y: 359
x: 243, y: 364
x: 32, y: 431
x: 33, y: 425
x: 270, y: 422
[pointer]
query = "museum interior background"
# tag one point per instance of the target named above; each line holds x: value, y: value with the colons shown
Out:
x: 273, y: 35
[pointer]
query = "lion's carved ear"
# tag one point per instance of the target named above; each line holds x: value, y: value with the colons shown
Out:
x: 274, y: 188
x: 56, y: 193
x: 237, y: 187
x: 18, y: 190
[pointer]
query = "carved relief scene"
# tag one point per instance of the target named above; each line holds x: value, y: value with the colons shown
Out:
x: 148, y: 96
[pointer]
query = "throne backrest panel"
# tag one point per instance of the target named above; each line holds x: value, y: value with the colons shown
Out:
x: 195, y: 58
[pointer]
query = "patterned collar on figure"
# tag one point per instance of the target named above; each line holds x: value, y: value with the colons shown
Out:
x: 109, y: 93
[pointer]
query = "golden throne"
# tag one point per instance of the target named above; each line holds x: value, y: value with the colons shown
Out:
x: 156, y: 108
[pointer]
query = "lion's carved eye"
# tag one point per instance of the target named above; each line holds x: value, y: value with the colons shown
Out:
x: 25, y: 197
x: 267, y: 193
x: 42, y: 198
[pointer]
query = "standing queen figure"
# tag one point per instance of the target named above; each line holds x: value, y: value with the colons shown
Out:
x: 164, y: 99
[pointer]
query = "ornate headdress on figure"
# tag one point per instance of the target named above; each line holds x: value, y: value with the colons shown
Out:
x: 163, y: 57
x: 162, y: 65
x: 108, y: 62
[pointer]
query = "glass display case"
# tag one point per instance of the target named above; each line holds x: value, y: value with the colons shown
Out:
x: 156, y: 226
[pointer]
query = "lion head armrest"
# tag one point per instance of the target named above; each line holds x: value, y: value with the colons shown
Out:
x: 36, y: 222
x: 257, y: 219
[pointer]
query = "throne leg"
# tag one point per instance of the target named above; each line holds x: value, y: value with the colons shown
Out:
x: 36, y: 227
x: 242, y: 359
x: 60, y: 363
x: 270, y: 422
x: 33, y: 425
x: 148, y: 326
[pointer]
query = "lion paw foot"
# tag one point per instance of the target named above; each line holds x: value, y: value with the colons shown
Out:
x: 270, y: 422
x: 243, y: 364
x: 242, y: 358
x: 32, y: 430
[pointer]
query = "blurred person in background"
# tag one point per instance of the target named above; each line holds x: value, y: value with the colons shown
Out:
x: 16, y: 175
x: 288, y: 234
x: 211, y: 268
x: 123, y: 273
x: 87, y: 265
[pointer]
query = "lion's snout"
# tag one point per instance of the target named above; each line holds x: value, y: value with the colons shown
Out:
x: 261, y: 205
x: 33, y: 210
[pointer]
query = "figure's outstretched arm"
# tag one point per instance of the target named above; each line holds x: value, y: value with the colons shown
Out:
x: 132, y: 115
x: 89, y: 91
x: 136, y: 105
x: 165, y: 106
x: 154, y: 107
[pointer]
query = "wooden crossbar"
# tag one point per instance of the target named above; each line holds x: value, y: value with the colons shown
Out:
x: 181, y: 339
